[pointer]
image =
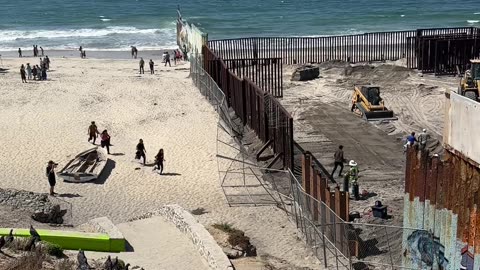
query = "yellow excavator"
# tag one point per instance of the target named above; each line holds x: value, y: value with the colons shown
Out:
x: 366, y: 102
x: 470, y: 82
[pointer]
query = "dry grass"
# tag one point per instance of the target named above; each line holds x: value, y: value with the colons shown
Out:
x: 235, y: 237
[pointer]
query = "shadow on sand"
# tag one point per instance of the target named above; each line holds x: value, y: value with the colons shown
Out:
x: 128, y: 246
x: 170, y: 174
x: 102, y: 178
x: 69, y: 195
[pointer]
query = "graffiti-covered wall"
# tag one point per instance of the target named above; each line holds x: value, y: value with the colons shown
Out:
x: 189, y: 37
x: 441, y: 197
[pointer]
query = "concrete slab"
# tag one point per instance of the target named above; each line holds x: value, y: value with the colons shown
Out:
x: 157, y: 245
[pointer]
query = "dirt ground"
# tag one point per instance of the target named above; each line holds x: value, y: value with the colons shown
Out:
x: 322, y: 121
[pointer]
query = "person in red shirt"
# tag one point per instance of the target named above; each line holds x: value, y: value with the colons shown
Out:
x: 105, y: 140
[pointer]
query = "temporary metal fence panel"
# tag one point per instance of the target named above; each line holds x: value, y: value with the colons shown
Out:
x: 280, y: 129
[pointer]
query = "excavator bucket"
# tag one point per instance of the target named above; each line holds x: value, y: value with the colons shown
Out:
x: 376, y: 115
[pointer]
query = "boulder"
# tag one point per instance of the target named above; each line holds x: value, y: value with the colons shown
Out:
x: 53, y: 214
x: 232, y: 253
x: 305, y: 73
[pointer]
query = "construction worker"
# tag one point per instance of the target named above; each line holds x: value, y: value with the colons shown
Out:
x: 410, y: 141
x: 422, y: 139
x: 339, y: 160
x: 350, y: 182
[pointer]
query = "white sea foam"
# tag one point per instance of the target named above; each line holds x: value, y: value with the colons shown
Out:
x: 477, y: 13
x: 473, y: 21
x: 101, y: 16
x: 12, y: 35
x: 402, y: 15
x: 105, y: 20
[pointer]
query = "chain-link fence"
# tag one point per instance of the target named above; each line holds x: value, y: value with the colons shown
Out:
x: 360, y: 246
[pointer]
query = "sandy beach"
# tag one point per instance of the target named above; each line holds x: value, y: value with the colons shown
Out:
x: 48, y: 120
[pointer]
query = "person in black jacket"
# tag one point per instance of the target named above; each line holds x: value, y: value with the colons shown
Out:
x: 50, y: 172
x: 141, y: 151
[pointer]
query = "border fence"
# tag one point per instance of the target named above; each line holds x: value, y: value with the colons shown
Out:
x: 245, y: 75
x: 257, y: 108
x: 436, y: 50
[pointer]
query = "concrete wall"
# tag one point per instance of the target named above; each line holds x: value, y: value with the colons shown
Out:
x: 462, y: 126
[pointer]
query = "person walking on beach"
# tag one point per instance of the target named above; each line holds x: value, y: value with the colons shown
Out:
x: 51, y: 176
x: 39, y: 73
x: 34, y: 51
x: 92, y: 132
x: 34, y: 72
x: 81, y: 51
x: 23, y: 74
x: 167, y: 59
x: 142, y: 64
x: 105, y: 140
x: 46, y: 60
x: 41, y: 49
x: 19, y: 52
x: 339, y: 160
x: 44, y: 72
x: 151, y: 66
x: 29, y: 71
x: 132, y: 51
x: 159, y: 161
x: 141, y: 152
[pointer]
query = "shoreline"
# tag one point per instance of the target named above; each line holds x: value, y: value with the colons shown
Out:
x: 114, y: 55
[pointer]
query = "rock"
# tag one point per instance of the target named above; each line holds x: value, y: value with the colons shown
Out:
x: 305, y: 73
x: 53, y: 214
x: 251, y: 251
x: 232, y: 253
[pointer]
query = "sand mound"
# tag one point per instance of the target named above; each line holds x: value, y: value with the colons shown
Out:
x: 381, y: 75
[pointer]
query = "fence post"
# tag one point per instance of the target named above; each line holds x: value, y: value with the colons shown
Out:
x: 244, y: 101
x: 306, y: 170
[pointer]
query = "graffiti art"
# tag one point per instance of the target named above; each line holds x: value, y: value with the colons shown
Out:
x: 425, y: 248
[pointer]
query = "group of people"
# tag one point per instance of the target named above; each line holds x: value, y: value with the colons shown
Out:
x: 139, y: 154
x: 35, y: 51
x: 142, y: 66
x: 420, y: 142
x: 166, y: 59
x: 83, y: 53
x: 104, y: 136
x: 134, y: 52
x: 350, y: 179
x: 37, y: 72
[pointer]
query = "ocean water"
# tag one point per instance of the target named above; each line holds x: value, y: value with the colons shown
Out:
x: 150, y: 24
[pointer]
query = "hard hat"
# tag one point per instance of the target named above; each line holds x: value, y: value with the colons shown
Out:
x: 352, y: 163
